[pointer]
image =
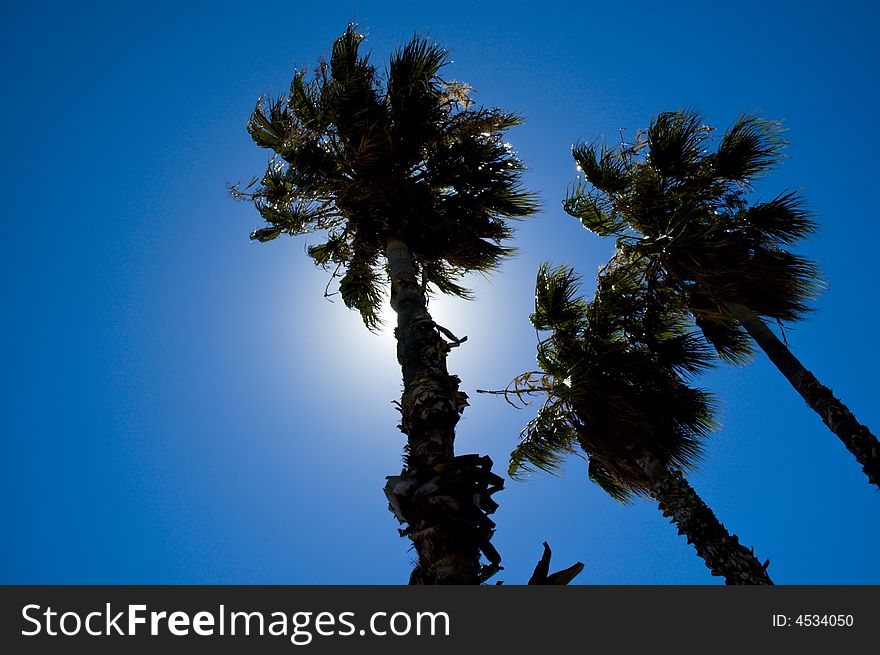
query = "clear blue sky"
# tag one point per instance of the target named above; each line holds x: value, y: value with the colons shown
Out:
x: 180, y: 405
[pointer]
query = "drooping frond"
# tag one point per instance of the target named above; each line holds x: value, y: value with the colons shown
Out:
x: 444, y: 278
x: 614, y: 487
x: 362, y: 288
x: 723, y: 332
x: 544, y: 443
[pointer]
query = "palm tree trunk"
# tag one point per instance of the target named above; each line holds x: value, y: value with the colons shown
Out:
x: 857, y: 438
x: 443, y: 499
x: 722, y: 552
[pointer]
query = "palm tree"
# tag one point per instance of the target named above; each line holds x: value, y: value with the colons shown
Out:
x: 612, y: 372
x: 676, y: 199
x: 412, y: 185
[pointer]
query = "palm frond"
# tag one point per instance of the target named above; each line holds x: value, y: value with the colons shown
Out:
x: 603, y: 167
x: 783, y: 220
x: 444, y: 278
x: 557, y: 306
x: 344, y: 60
x: 593, y: 210
x: 270, y: 123
x: 362, y: 288
x: 415, y: 66
x: 337, y: 249
x: 304, y: 103
x: 266, y: 234
x: 750, y: 147
x: 619, y: 490
x: 675, y: 142
x: 544, y: 443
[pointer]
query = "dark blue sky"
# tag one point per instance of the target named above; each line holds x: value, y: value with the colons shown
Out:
x: 182, y: 406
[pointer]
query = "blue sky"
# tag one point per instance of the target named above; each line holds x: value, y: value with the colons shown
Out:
x: 180, y: 405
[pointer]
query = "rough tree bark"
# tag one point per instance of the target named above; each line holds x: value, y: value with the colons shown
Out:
x: 721, y: 551
x: 443, y: 500
x: 857, y: 438
x: 678, y: 501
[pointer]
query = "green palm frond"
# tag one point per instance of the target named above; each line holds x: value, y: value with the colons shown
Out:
x: 750, y: 147
x: 266, y: 234
x: 682, y: 353
x: 783, y: 220
x: 795, y: 281
x: 593, y: 210
x: 416, y: 98
x: 293, y: 218
x: 413, y: 72
x: 603, y: 167
x: 557, y: 305
x: 304, y: 103
x: 544, y: 443
x: 269, y: 123
x: 619, y: 490
x: 344, y: 60
x: 675, y: 142
x: 444, y: 279
x: 337, y: 249
x: 362, y: 288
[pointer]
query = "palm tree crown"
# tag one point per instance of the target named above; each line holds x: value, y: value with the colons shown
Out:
x: 366, y: 159
x: 680, y: 198
x: 678, y: 203
x: 613, y: 370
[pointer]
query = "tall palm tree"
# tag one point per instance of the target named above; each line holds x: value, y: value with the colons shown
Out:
x: 681, y: 201
x: 412, y: 185
x: 613, y: 374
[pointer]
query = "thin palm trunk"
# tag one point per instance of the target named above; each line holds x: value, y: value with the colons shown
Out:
x: 443, y: 499
x: 857, y: 438
x: 721, y: 551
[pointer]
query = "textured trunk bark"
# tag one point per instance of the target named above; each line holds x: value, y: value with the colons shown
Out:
x: 443, y: 499
x: 721, y: 551
x: 857, y: 438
